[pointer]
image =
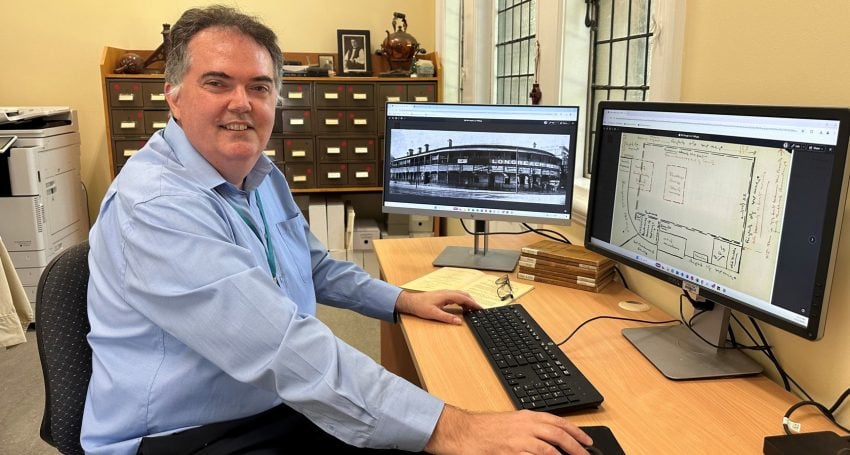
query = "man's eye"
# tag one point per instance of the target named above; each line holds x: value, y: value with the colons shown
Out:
x: 262, y: 89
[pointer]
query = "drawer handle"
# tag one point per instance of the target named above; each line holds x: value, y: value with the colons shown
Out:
x: 299, y: 178
x: 130, y: 152
x: 128, y: 125
x: 333, y: 151
x: 331, y: 121
x: 296, y: 121
x: 361, y: 121
x: 420, y: 99
x: 361, y: 175
x: 359, y: 96
x: 159, y: 125
x: 334, y: 175
x: 268, y: 152
x: 299, y: 153
x: 126, y: 96
x: 157, y: 96
x: 393, y: 98
x: 331, y: 96
x: 295, y: 95
x: 361, y: 150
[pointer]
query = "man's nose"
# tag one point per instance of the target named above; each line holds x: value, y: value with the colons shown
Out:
x: 239, y: 100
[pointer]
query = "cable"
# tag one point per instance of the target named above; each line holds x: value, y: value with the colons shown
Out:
x: 736, y: 345
x: 829, y: 413
x: 540, y: 231
x: 613, y: 317
x: 622, y: 278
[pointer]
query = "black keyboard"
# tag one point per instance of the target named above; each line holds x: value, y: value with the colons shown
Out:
x: 536, y: 374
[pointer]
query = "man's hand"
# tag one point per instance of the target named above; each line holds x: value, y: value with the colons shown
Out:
x: 431, y: 305
x: 525, y: 432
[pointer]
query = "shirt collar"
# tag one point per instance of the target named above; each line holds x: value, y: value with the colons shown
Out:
x: 199, y: 168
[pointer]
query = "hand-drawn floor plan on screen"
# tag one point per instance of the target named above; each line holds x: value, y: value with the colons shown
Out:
x: 710, y: 206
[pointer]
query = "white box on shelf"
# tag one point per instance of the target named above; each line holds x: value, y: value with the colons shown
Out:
x: 365, y: 232
x: 421, y: 223
x: 336, y: 224
x: 318, y: 214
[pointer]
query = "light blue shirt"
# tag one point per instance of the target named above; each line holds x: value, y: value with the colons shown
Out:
x: 188, y: 327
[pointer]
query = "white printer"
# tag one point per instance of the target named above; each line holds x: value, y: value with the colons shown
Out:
x: 42, y: 205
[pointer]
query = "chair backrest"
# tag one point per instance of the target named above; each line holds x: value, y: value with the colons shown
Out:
x: 62, y: 324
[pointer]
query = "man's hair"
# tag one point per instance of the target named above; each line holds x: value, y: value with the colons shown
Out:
x: 196, y: 20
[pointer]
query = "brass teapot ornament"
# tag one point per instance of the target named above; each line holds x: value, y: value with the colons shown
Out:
x: 399, y: 48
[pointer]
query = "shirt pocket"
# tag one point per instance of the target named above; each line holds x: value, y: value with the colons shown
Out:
x: 295, y: 251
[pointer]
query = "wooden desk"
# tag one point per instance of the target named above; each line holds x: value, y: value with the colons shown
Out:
x: 646, y: 411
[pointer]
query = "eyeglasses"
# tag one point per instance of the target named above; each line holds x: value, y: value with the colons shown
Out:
x: 504, y: 291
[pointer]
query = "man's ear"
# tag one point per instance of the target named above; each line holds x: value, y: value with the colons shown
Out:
x: 172, y: 98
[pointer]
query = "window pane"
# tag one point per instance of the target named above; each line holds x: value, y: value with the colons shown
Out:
x: 618, y: 63
x: 500, y: 28
x: 514, y: 90
x: 637, y: 61
x: 525, y: 15
x: 500, y: 59
x: 640, y: 13
x: 507, y: 61
x: 515, y: 57
x: 634, y: 95
x: 618, y: 95
x: 604, y: 30
x: 509, y: 22
x: 621, y: 18
x: 602, y: 64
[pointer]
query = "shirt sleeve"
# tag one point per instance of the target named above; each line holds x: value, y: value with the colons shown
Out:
x: 184, y: 272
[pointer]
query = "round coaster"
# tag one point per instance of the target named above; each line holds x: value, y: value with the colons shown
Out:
x: 631, y: 305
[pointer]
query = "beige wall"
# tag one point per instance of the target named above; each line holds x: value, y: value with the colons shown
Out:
x: 51, y: 49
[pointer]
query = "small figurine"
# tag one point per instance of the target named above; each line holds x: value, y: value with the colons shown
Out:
x: 399, y: 49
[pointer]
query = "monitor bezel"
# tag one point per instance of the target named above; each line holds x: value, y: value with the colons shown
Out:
x: 831, y: 227
x: 422, y: 209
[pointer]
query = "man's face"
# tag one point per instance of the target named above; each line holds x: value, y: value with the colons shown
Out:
x: 226, y: 102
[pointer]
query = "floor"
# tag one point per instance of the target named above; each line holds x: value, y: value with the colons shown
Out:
x: 22, y: 388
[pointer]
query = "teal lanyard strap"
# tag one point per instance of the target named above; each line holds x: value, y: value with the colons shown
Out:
x: 268, y: 243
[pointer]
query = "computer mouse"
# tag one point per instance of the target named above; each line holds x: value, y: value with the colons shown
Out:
x: 593, y: 450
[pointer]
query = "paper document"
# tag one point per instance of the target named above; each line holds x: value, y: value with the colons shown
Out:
x: 481, y: 286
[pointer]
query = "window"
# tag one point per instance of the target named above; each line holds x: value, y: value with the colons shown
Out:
x: 516, y: 29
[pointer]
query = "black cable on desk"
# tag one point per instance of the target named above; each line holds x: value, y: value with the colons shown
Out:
x: 613, y: 317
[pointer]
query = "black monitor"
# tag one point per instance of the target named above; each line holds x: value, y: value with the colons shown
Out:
x: 739, y: 205
x: 481, y: 162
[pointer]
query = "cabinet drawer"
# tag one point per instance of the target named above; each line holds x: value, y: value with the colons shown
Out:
x: 391, y: 93
x: 124, y: 149
x: 421, y: 93
x: 362, y: 174
x: 333, y: 174
x: 300, y: 175
x: 274, y: 150
x: 153, y: 95
x: 296, y: 121
x: 361, y: 149
x: 360, y: 122
x: 360, y: 95
x: 155, y: 121
x: 128, y: 121
x: 330, y: 121
x: 332, y: 149
x: 124, y: 93
x: 296, y: 94
x: 330, y: 95
x: 298, y: 150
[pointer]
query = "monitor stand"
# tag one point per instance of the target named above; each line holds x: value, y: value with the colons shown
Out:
x: 679, y: 354
x: 475, y: 258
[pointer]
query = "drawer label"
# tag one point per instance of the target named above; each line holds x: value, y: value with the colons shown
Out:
x: 126, y: 96
x: 334, y: 175
x: 299, y: 153
x: 333, y: 150
x: 130, y: 152
x: 331, y: 96
x: 268, y: 152
x: 359, y: 96
x: 157, y: 96
x: 299, y: 178
x: 360, y: 121
x: 420, y: 98
x: 393, y: 98
x: 331, y: 121
x: 361, y: 175
x: 296, y: 121
x: 159, y: 125
x: 128, y: 125
x: 360, y: 150
x: 295, y: 95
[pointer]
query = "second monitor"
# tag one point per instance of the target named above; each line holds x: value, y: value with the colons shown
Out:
x: 480, y: 162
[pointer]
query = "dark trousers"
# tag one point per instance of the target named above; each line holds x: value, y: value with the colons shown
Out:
x: 276, y: 431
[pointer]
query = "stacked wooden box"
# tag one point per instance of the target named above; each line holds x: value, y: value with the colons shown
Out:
x: 562, y: 264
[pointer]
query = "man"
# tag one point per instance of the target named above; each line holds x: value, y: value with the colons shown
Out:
x: 204, y: 278
x: 352, y: 54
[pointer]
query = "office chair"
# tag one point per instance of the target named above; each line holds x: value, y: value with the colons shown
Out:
x: 62, y: 324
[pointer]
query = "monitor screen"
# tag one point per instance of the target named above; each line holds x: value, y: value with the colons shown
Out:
x: 741, y: 205
x: 485, y: 162
x: 482, y: 162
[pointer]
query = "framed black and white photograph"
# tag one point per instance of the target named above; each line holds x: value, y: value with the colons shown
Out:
x: 353, y: 51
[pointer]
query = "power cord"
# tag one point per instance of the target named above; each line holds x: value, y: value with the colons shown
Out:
x: 787, y: 423
x: 543, y: 232
x: 617, y: 318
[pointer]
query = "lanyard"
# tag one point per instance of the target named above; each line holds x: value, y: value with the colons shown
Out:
x: 268, y: 243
